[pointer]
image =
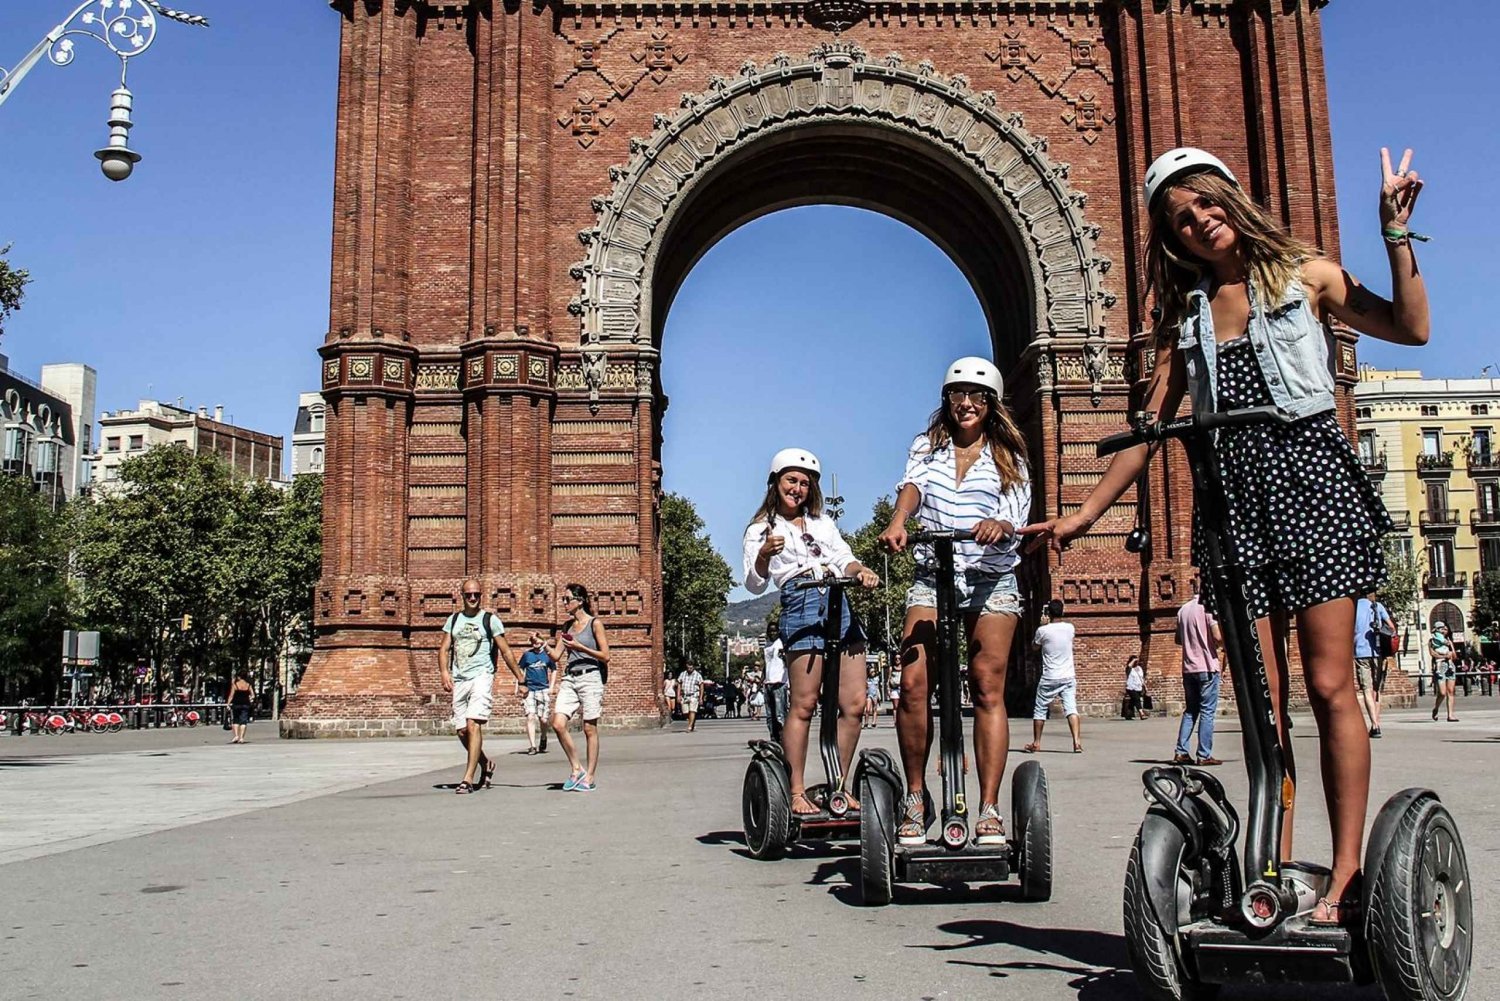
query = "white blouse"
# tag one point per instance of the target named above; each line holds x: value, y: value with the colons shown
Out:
x: 948, y: 505
x: 820, y: 548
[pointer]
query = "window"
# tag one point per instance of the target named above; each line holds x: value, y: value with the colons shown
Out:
x: 1429, y: 410
x: 137, y: 442
x: 316, y: 418
x: 111, y: 444
x: 1432, y: 442
x: 1440, y: 558
x: 1487, y: 492
x: 1404, y: 547
x: 1479, y: 442
x: 1479, y: 409
x: 1367, y: 447
x: 111, y: 472
x: 1364, y: 413
x: 1489, y: 555
x: 316, y: 464
x: 1437, y: 497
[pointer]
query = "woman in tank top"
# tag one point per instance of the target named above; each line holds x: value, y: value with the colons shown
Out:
x: 583, y: 648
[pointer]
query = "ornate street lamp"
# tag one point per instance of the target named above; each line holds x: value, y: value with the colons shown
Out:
x: 127, y: 28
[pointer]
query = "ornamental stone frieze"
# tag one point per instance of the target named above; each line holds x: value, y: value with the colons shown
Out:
x: 368, y: 366
x: 492, y: 364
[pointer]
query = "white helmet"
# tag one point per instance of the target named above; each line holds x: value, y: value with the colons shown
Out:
x: 976, y: 370
x: 1175, y: 163
x: 795, y: 458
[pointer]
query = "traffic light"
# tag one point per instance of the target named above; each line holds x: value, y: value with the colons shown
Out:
x: 187, y: 623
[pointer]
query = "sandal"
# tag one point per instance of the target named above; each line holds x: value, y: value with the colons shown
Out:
x: 990, y: 829
x: 490, y: 764
x: 912, y: 831
x: 1341, y: 913
x: 1077, y: 748
x: 464, y: 788
x: 811, y: 808
x: 531, y: 750
x: 1032, y: 748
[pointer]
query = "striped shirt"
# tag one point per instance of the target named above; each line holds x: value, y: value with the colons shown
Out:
x: 948, y: 505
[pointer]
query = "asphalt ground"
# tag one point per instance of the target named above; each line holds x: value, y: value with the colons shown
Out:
x: 350, y: 870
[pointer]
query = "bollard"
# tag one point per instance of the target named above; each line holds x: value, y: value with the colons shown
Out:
x: 1467, y: 678
x: 1421, y: 685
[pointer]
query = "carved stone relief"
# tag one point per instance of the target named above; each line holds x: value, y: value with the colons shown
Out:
x: 1079, y: 82
x: 618, y: 76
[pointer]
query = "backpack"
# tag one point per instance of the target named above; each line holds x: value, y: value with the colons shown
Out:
x: 489, y: 634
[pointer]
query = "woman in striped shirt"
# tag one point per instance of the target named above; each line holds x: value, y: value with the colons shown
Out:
x: 968, y: 471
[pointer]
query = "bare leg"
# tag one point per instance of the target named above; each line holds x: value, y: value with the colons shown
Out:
x: 1036, y: 733
x: 531, y: 729
x: 475, y: 744
x: 1325, y: 635
x: 913, y: 722
x: 851, y: 704
x: 1451, y: 689
x: 565, y: 739
x: 1075, y: 727
x: 591, y: 742
x: 989, y: 657
x: 804, y: 677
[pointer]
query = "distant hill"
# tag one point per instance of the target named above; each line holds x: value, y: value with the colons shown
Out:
x: 749, y: 616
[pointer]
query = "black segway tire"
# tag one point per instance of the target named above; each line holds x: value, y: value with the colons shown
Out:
x: 766, y: 805
x: 1419, y: 911
x: 877, y: 829
x: 1031, y: 812
x: 1154, y: 955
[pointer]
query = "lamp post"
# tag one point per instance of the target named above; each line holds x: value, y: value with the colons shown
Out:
x: 125, y: 27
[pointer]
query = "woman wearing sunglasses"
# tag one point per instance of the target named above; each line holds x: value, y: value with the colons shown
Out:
x: 967, y: 471
x: 790, y: 540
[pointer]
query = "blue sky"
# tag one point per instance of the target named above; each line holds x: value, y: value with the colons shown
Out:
x: 205, y: 275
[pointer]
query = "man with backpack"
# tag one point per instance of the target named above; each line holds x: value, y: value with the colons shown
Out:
x: 467, y: 659
x: 1374, y: 636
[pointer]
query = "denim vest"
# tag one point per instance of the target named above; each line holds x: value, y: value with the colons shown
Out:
x: 1290, y: 346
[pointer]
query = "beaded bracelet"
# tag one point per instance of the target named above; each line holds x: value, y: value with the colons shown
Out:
x: 1396, y: 236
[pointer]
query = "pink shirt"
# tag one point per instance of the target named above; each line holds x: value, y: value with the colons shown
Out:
x: 1200, y: 651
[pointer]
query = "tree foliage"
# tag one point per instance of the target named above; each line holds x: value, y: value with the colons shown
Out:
x: 695, y: 585
x: 1486, y: 615
x: 1403, y: 583
x: 34, y: 590
x: 886, y: 604
x: 13, y: 282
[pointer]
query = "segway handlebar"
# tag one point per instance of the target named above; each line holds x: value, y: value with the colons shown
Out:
x: 1149, y: 432
x: 956, y: 534
x: 803, y: 585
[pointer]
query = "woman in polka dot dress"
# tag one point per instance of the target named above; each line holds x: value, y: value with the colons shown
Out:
x: 1243, y: 313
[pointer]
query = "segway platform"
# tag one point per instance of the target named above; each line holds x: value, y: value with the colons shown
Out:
x: 936, y: 863
x: 1292, y: 952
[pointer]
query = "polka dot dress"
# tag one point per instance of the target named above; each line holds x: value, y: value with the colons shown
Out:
x: 1304, y: 516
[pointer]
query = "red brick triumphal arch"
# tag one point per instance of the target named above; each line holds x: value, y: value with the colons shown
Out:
x: 520, y: 191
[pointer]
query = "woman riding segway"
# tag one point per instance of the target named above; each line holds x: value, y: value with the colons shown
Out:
x: 1243, y: 308
x: 787, y: 541
x: 967, y: 471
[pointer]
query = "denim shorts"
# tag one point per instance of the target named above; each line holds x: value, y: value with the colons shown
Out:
x: 985, y: 593
x: 802, y: 615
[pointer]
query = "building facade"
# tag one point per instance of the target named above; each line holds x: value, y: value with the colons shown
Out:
x: 125, y: 434
x: 1431, y: 445
x: 307, y: 435
x: 520, y: 190
x: 45, y: 434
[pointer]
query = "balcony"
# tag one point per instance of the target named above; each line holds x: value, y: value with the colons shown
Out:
x: 1439, y: 464
x: 1484, y: 463
x: 1438, y: 520
x: 1445, y: 583
x: 1374, y: 463
x: 1484, y: 519
x: 1400, y: 520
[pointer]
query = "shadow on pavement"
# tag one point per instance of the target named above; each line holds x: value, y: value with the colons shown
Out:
x: 1096, y: 960
x: 26, y: 763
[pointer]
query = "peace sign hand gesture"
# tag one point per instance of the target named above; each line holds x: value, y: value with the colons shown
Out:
x: 1398, y: 190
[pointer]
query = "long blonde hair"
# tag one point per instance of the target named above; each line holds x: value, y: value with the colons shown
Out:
x: 1007, y: 444
x: 1272, y: 256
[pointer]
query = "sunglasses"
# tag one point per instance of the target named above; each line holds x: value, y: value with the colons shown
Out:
x: 471, y: 594
x: 971, y: 395
x: 812, y: 546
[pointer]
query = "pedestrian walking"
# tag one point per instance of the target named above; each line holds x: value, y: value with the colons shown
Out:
x: 774, y: 654
x: 1243, y: 308
x: 583, y: 647
x: 872, y: 696
x: 241, y: 699
x: 1059, y: 681
x: 1202, y: 651
x: 1444, y: 669
x: 690, y: 691
x: 1135, y: 688
x: 1374, y: 631
x: 789, y: 540
x: 540, y: 673
x: 757, y: 700
x: 466, y: 659
x: 968, y: 471
x: 669, y: 695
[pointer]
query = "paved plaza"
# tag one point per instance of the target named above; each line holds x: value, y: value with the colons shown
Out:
x: 167, y: 865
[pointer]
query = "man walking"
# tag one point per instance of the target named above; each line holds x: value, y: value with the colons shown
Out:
x: 1054, y: 638
x: 775, y: 656
x: 1202, y: 665
x: 689, y: 689
x: 467, y: 660
x: 540, y: 670
x: 1373, y: 631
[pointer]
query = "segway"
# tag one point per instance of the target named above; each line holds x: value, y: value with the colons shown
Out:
x: 766, y: 799
x: 953, y: 857
x: 1196, y: 919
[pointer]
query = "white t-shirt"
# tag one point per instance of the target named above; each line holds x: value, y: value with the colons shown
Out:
x: 1055, y: 640
x: 775, y: 663
x: 670, y: 689
x: 1135, y: 679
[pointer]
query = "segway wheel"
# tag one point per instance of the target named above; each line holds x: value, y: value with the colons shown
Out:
x: 1031, y: 813
x: 877, y: 819
x: 1419, y: 912
x: 1154, y: 955
x: 766, y: 804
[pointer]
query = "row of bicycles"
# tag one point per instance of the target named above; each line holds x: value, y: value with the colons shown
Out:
x: 85, y: 719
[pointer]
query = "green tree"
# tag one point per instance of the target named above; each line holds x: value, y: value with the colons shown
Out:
x: 1403, y: 582
x: 34, y: 590
x: 1486, y: 614
x: 13, y: 282
x: 695, y: 585
x: 886, y: 604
